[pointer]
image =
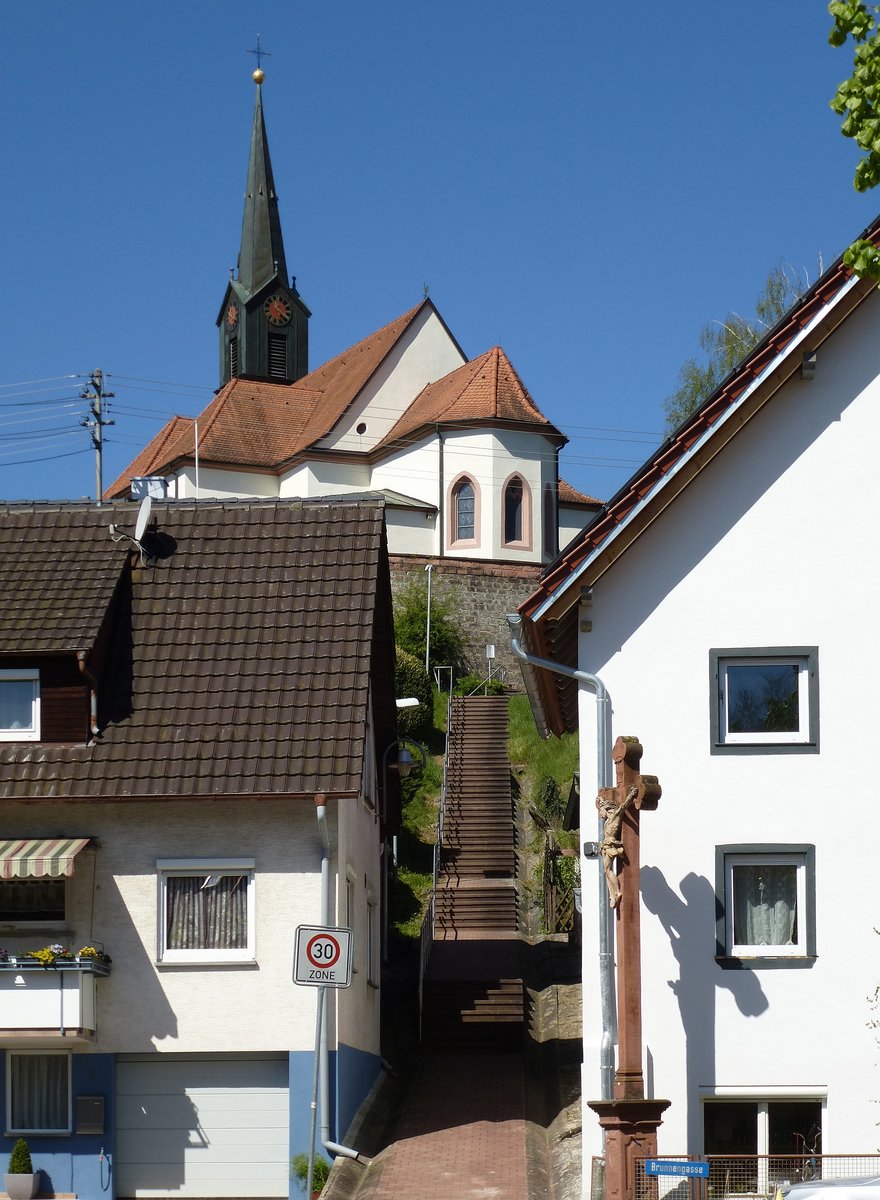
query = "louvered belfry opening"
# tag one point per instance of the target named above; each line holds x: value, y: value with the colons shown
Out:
x: 277, y: 356
x: 473, y: 989
x: 233, y: 357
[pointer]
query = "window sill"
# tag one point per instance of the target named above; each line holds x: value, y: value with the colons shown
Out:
x: 770, y: 961
x: 210, y: 963
x: 764, y: 748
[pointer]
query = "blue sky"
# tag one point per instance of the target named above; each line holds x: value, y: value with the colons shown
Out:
x: 585, y: 186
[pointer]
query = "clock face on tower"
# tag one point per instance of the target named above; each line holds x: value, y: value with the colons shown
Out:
x: 231, y: 316
x: 277, y: 310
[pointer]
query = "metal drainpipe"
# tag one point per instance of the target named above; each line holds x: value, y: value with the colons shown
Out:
x: 441, y: 500
x: 333, y: 1147
x: 603, y: 778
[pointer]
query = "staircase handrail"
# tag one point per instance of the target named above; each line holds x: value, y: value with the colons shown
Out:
x: 426, y: 934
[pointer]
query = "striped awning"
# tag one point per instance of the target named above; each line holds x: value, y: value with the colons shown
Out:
x: 35, y: 857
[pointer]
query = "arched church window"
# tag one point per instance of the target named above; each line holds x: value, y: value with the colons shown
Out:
x: 513, y: 510
x: 464, y: 511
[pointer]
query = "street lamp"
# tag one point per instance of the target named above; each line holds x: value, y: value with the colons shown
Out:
x: 403, y: 765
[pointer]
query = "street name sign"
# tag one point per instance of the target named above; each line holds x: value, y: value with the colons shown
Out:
x: 323, y: 956
x: 668, y: 1166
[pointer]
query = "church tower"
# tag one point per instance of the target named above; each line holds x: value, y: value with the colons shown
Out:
x: 263, y: 322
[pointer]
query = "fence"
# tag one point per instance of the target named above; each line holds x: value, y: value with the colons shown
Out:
x: 750, y: 1176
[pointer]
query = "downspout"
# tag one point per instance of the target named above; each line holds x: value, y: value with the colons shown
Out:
x: 603, y: 779
x: 332, y: 1147
x: 441, y: 502
x: 93, y: 691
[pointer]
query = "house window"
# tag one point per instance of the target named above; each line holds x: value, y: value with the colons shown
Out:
x: 33, y: 903
x: 765, y: 700
x: 19, y: 705
x: 464, y: 511
x: 757, y: 1144
x: 766, y: 902
x: 206, y: 910
x: 38, y: 1093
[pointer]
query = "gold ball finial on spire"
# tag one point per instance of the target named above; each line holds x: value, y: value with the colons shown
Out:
x: 259, y: 76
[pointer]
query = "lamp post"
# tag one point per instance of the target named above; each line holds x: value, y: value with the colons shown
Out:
x: 429, y: 568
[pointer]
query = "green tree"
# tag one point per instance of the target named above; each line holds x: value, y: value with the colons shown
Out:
x: 411, y: 622
x: 725, y: 343
x: 857, y: 100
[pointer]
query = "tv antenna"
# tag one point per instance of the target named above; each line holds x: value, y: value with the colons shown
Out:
x: 140, y: 528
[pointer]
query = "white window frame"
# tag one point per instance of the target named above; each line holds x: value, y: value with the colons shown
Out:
x: 14, y: 1130
x: 167, y: 868
x: 23, y: 675
x: 803, y: 739
x: 803, y: 858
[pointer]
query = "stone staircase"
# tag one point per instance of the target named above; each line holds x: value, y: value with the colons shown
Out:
x: 473, y: 996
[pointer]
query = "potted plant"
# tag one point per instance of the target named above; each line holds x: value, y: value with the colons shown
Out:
x: 22, y: 1182
x: 300, y: 1167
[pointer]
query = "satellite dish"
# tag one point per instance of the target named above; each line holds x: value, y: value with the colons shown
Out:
x: 143, y: 518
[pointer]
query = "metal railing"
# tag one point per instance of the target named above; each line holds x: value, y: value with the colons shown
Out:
x: 750, y: 1176
x: 426, y: 934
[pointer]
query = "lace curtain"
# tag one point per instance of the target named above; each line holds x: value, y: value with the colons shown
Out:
x: 206, y: 912
x: 765, y: 904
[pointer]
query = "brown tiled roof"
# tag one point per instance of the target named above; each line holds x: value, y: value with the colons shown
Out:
x: 569, y: 495
x: 483, y: 390
x: 54, y: 590
x: 239, y: 664
x: 261, y: 425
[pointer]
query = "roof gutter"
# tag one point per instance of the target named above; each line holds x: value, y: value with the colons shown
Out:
x: 603, y: 779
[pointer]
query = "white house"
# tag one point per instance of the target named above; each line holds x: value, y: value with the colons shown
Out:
x: 191, y: 737
x: 726, y: 600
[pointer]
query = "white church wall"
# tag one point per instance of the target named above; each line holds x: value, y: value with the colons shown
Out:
x: 424, y: 354
x: 221, y: 484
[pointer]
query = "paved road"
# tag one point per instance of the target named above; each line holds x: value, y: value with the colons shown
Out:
x: 463, y: 1135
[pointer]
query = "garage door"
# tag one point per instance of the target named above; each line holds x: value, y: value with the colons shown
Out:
x: 202, y: 1127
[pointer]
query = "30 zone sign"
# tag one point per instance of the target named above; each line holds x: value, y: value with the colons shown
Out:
x: 323, y: 956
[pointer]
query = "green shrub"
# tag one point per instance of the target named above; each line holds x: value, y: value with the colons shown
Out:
x: 548, y: 800
x: 411, y: 622
x: 470, y: 683
x: 299, y: 1165
x: 410, y: 679
x: 20, y: 1159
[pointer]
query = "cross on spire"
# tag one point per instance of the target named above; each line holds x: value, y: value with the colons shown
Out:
x: 260, y: 52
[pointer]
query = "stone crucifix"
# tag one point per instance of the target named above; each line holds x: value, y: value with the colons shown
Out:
x: 629, y: 1120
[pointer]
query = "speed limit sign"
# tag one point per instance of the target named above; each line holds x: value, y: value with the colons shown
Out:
x: 323, y: 956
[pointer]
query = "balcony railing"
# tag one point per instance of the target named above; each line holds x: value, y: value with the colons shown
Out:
x: 49, y: 1003
x: 755, y: 1176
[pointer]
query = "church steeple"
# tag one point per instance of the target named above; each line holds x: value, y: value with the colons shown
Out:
x: 263, y: 320
x: 262, y: 247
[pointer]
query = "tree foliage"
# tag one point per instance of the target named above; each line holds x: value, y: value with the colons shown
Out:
x: 725, y: 343
x: 411, y: 622
x: 857, y: 101
x: 411, y: 680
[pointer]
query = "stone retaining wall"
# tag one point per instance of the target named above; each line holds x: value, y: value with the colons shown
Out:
x: 483, y: 593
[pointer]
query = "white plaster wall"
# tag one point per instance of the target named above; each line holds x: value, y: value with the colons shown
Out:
x: 490, y: 457
x: 358, y: 858
x: 411, y: 531
x: 424, y: 354
x: 221, y: 485
x: 571, y: 522
x: 321, y: 478
x: 767, y: 549
x: 142, y: 1006
x: 414, y: 471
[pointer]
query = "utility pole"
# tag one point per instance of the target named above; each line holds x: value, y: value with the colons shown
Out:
x: 95, y: 423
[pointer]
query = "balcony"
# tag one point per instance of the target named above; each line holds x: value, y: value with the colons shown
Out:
x: 49, y: 1005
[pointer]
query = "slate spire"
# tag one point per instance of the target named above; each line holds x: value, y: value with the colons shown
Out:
x: 262, y: 247
x: 263, y: 320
